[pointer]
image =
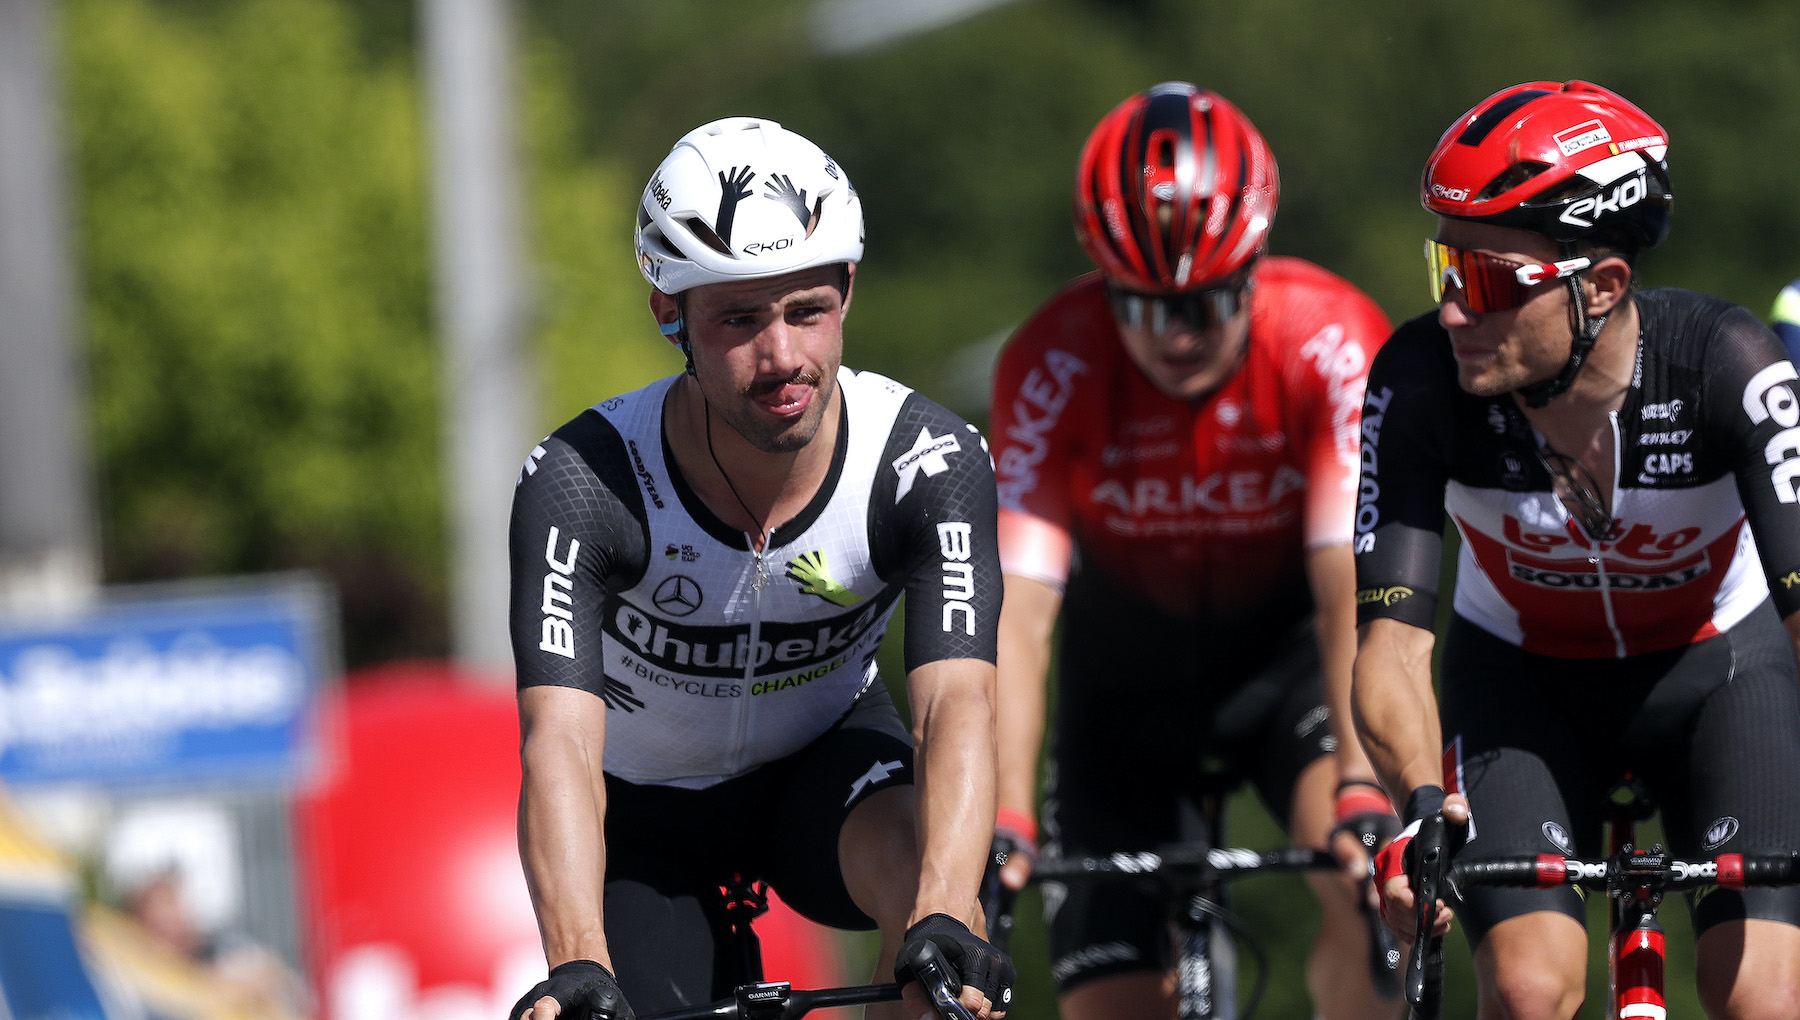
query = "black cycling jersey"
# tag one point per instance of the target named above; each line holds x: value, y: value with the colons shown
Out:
x: 713, y: 658
x: 1707, y: 441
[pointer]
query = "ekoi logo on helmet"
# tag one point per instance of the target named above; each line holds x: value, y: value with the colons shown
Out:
x: 1627, y: 193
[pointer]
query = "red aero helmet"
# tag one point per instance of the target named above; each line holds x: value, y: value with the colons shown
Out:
x: 1175, y: 191
x: 1569, y: 160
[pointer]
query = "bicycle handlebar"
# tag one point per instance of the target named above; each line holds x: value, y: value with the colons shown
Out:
x: 1654, y: 870
x: 778, y: 1000
x: 1638, y: 869
x: 1226, y: 863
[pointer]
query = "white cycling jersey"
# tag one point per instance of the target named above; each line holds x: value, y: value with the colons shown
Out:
x: 712, y: 658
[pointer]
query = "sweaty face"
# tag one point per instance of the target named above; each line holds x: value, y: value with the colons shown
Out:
x: 766, y: 353
x: 1184, y: 360
x: 1498, y: 352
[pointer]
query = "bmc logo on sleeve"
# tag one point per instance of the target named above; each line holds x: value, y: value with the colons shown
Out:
x: 959, y: 575
x: 1770, y: 394
x: 558, y: 605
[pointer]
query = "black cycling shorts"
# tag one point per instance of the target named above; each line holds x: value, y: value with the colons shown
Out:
x: 1712, y: 731
x: 1152, y: 714
x: 668, y: 851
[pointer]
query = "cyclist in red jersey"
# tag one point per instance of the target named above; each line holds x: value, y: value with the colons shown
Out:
x: 1624, y: 468
x: 1175, y: 440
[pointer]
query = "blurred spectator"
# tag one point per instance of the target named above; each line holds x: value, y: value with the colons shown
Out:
x: 252, y: 977
x: 1786, y: 319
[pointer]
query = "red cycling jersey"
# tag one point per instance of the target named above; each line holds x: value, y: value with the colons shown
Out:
x: 1202, y: 508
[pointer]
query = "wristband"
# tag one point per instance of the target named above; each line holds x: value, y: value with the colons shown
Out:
x: 1018, y: 821
x: 1423, y: 802
x: 1357, y: 800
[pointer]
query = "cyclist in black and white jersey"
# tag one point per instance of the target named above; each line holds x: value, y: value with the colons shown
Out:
x: 702, y: 571
x: 1624, y: 469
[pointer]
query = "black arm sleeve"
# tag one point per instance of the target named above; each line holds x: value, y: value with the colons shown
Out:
x: 932, y: 517
x: 1406, y: 425
x: 1752, y: 408
x: 578, y: 531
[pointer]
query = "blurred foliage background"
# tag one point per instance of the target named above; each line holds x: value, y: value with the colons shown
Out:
x: 252, y: 206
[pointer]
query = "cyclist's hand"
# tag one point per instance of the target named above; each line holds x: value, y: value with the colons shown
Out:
x: 986, y: 973
x: 1395, y: 862
x: 1365, y: 823
x: 572, y: 991
x: 1015, y: 835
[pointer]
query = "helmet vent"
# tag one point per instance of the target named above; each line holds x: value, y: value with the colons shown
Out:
x: 1491, y: 117
x: 1511, y: 178
x: 708, y: 236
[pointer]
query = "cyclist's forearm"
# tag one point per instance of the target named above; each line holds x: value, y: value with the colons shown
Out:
x: 953, y: 731
x: 1395, y: 707
x: 1331, y: 571
x: 1792, y: 622
x: 562, y: 809
x: 1027, y: 620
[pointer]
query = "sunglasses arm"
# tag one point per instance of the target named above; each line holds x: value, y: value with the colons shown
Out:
x: 1535, y: 274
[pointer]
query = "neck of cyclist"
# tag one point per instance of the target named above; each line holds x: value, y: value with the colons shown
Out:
x: 1605, y: 376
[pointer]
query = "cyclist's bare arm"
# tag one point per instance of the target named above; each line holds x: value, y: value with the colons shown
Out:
x: 1331, y: 573
x: 1394, y: 705
x: 953, y: 730
x: 1027, y: 621
x: 1791, y: 621
x: 562, y: 809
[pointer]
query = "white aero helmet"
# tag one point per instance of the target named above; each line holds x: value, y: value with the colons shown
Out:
x: 742, y: 199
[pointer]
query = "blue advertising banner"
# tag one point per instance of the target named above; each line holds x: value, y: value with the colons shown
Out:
x: 215, y: 688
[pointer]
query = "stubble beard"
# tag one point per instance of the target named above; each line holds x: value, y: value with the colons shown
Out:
x: 774, y: 437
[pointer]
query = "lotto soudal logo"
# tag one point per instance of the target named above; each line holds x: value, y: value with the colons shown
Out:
x: 1720, y: 832
x: 1669, y: 411
x: 1616, y: 580
x: 1769, y: 394
x: 1581, y: 136
x: 927, y: 455
x: 1558, y: 837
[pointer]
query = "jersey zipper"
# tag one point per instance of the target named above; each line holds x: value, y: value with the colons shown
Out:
x: 758, y: 581
x: 1606, y: 600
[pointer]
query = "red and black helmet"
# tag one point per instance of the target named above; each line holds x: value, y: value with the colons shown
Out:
x: 1176, y: 190
x: 1569, y: 160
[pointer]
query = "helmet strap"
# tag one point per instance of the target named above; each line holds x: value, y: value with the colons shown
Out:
x: 1581, y: 344
x: 677, y: 330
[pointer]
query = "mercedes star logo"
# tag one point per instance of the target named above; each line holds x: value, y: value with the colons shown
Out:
x: 678, y: 596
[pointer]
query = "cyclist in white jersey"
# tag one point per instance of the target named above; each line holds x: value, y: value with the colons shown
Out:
x: 702, y: 570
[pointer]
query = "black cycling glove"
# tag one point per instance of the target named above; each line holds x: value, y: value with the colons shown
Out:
x: 579, y: 987
x: 977, y: 963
